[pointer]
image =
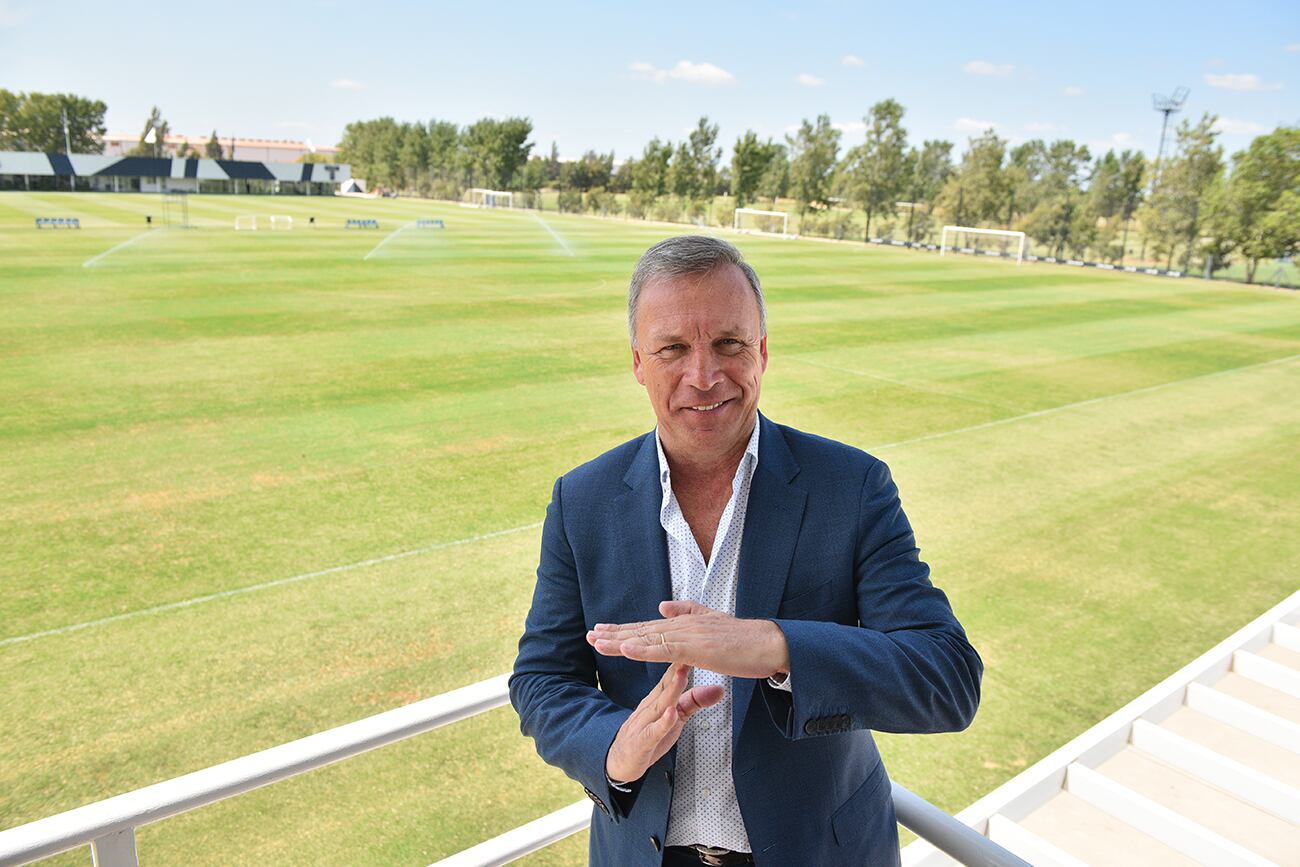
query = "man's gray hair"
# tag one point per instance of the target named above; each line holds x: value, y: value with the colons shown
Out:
x: 683, y: 255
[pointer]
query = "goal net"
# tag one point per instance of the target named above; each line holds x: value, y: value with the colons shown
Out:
x: 281, y: 222
x: 761, y: 222
x: 480, y: 198
x: 247, y: 223
x: 983, y: 242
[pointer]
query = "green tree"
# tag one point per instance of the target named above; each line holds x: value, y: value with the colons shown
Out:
x: 494, y: 149
x: 212, y: 150
x: 977, y: 193
x: 928, y: 170
x: 876, y: 169
x: 413, y: 156
x: 776, y: 177
x: 34, y: 122
x: 1172, y: 214
x: 161, y: 129
x: 813, y: 151
x: 1051, y: 179
x: 751, y: 161
x: 681, y: 173
x: 703, y: 156
x: 1257, y: 211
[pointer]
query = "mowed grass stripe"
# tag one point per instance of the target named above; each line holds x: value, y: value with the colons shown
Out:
x: 263, y: 404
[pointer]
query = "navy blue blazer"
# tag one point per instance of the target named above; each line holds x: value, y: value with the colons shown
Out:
x: 829, y: 556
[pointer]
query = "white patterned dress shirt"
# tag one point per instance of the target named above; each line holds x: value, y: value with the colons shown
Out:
x: 704, y: 808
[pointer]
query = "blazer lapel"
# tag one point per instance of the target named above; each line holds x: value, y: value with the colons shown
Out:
x: 772, y: 521
x: 642, y: 542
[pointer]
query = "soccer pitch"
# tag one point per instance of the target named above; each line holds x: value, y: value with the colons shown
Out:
x: 340, y: 453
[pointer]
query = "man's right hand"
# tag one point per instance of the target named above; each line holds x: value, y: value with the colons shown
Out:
x: 657, y: 722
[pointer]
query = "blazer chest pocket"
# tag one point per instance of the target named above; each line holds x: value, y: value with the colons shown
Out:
x: 808, y: 601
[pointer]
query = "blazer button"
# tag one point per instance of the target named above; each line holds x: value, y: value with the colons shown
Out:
x: 668, y: 777
x: 810, y: 727
x: 654, y: 841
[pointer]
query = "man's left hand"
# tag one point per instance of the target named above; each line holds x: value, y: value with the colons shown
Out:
x: 695, y: 635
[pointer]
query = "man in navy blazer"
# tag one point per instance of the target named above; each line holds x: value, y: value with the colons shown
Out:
x: 727, y: 607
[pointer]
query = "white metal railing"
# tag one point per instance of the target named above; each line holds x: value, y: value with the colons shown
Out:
x: 109, y: 825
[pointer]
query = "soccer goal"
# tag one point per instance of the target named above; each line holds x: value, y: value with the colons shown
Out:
x: 281, y: 222
x: 480, y: 198
x: 967, y: 241
x: 761, y: 222
x: 246, y: 223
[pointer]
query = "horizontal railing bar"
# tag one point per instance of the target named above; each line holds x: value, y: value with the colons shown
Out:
x: 79, y: 826
x: 518, y: 842
x: 959, y: 840
x: 49, y: 836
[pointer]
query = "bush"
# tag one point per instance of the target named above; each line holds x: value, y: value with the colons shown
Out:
x: 826, y: 224
x: 599, y: 201
x: 570, y: 202
x: 667, y: 209
x: 640, y: 204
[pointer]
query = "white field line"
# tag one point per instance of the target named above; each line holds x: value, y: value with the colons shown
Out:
x: 905, y: 384
x: 554, y: 234
x: 403, y: 554
x: 1063, y: 407
x: 390, y: 236
x: 129, y: 241
x: 185, y: 603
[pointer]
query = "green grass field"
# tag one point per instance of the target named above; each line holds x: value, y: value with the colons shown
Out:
x: 1101, y: 470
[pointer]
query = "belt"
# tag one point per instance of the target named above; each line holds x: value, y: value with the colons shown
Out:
x: 712, y: 855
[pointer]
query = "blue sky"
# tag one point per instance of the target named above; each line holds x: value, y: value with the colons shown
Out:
x: 604, y: 76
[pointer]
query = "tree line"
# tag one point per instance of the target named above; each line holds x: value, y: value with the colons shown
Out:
x: 1194, y: 207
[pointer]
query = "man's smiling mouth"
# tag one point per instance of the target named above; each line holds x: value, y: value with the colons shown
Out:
x: 707, y: 407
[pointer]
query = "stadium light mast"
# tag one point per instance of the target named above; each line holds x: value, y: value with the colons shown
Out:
x: 67, y: 144
x: 1166, y: 105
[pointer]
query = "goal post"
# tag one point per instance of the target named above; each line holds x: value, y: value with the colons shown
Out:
x: 1018, y: 238
x: 246, y: 223
x: 281, y: 222
x: 761, y: 222
x: 477, y: 197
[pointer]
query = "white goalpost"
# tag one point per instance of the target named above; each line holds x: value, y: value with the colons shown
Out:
x: 969, y: 230
x: 765, y: 221
x: 281, y: 222
x: 246, y: 223
x: 477, y: 197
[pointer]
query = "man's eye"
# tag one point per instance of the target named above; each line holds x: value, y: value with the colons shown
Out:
x: 672, y: 349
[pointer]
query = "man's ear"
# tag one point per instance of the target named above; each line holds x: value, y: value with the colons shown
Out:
x: 636, y: 366
x: 762, y: 351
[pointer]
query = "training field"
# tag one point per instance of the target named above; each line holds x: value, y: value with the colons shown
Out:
x: 1101, y: 470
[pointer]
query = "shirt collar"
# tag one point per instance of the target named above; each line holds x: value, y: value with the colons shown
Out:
x: 747, y: 462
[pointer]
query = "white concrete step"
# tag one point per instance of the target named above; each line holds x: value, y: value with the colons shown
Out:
x: 1279, y: 763
x: 1208, y: 806
x: 1271, y: 700
x: 1094, y: 837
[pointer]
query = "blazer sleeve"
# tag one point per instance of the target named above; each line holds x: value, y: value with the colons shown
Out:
x: 553, y: 685
x: 907, y: 667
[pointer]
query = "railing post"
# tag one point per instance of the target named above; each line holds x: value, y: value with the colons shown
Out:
x: 115, y: 850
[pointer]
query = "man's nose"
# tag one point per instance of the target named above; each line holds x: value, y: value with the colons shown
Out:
x: 702, y: 369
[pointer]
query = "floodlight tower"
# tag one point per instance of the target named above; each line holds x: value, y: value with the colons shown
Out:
x: 1166, y: 105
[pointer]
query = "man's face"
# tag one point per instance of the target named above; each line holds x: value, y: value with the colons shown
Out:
x: 700, y: 353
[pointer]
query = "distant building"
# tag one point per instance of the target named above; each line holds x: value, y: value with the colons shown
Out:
x: 257, y: 149
x: 26, y: 170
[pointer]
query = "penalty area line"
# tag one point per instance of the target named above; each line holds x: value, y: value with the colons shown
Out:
x: 554, y: 234
x: 128, y: 242
x: 1065, y: 406
x: 265, y: 585
x: 390, y: 236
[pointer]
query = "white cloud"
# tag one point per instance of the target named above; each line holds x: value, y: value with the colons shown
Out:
x: 1232, y: 126
x: 346, y: 84
x: 854, y: 60
x: 853, y: 126
x: 685, y: 70
x: 1244, y: 81
x: 1293, y: 47
x: 643, y: 71
x: 809, y: 80
x: 1117, y: 140
x: 1074, y: 90
x: 970, y: 124
x: 983, y: 67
